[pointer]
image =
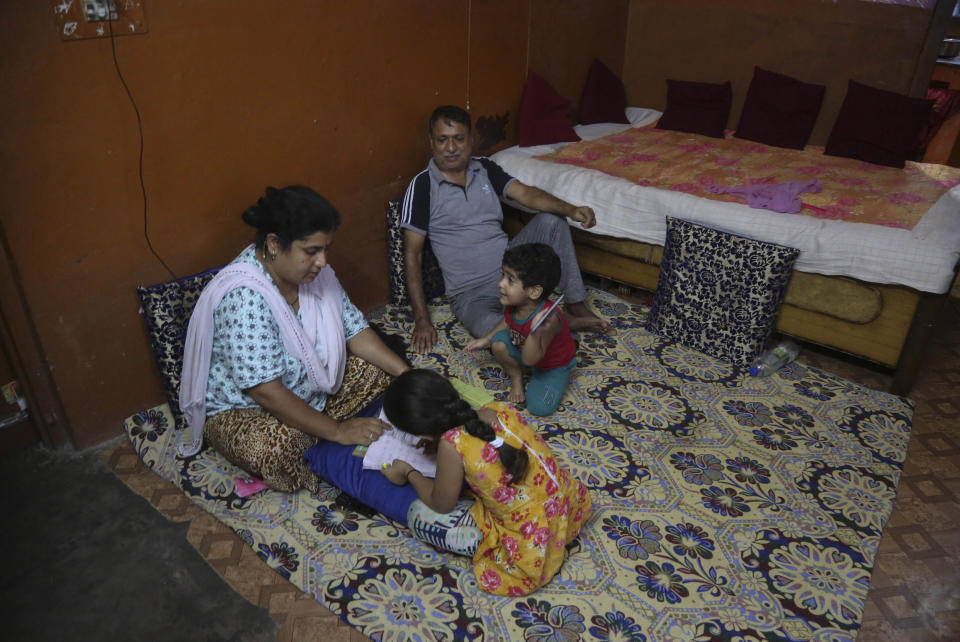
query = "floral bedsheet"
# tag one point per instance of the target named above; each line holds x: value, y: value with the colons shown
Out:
x: 852, y: 190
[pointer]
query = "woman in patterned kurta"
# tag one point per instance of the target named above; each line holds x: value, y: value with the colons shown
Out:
x: 527, y: 512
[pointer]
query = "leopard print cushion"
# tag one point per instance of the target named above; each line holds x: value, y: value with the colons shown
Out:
x: 167, y: 308
x: 432, y: 277
x: 719, y: 293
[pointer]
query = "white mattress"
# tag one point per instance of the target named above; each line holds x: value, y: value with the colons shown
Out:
x: 922, y: 258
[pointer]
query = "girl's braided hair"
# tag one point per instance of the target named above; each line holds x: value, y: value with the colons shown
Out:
x: 422, y: 402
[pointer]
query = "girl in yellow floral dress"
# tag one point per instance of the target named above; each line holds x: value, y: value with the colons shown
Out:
x: 527, y: 508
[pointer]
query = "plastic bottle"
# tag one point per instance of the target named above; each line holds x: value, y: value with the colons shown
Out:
x: 775, y: 358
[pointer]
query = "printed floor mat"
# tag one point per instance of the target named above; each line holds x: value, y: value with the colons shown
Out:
x: 725, y: 507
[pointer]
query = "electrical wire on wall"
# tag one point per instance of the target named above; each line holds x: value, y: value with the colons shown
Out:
x: 143, y: 187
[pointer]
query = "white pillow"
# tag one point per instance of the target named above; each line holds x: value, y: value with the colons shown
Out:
x: 639, y: 117
x: 598, y: 130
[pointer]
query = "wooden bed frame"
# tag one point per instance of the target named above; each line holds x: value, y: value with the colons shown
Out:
x: 894, y: 336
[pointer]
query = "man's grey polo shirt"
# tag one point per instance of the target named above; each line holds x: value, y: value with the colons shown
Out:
x: 465, y: 224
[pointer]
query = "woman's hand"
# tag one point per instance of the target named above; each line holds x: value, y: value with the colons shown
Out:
x: 397, y: 472
x: 359, y: 430
x: 368, y: 346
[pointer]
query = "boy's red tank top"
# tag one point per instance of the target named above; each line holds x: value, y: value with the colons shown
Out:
x: 561, y: 349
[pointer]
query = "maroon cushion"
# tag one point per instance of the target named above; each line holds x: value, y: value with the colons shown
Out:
x: 876, y: 125
x: 544, y: 114
x: 779, y: 110
x: 604, y: 100
x: 697, y: 107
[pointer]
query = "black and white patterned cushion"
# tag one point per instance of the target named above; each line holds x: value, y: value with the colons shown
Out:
x: 719, y: 293
x: 432, y: 277
x: 167, y: 308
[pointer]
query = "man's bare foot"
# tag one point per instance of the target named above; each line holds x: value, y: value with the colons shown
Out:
x: 516, y: 394
x: 582, y: 318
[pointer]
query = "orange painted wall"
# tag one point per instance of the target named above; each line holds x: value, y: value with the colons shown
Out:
x: 234, y: 95
x: 817, y: 41
x: 498, y: 59
x: 565, y: 37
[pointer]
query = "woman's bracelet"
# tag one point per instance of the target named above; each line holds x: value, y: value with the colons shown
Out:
x: 407, y: 476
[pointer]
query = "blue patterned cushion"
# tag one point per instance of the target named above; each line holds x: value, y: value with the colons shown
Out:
x: 719, y: 293
x: 167, y: 307
x: 432, y: 277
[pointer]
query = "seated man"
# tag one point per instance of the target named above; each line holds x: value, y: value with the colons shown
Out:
x: 456, y: 200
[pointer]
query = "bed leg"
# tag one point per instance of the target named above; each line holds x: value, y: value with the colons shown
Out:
x: 912, y: 354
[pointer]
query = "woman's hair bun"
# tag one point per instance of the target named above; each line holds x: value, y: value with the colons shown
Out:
x: 259, y: 215
x: 252, y: 217
x: 291, y: 213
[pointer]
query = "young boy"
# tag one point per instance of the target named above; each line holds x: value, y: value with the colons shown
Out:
x: 532, y: 333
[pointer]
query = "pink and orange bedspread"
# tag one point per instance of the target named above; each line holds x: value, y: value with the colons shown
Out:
x: 852, y: 190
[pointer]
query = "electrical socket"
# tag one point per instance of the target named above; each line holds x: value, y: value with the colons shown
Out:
x: 100, y: 10
x: 72, y: 18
